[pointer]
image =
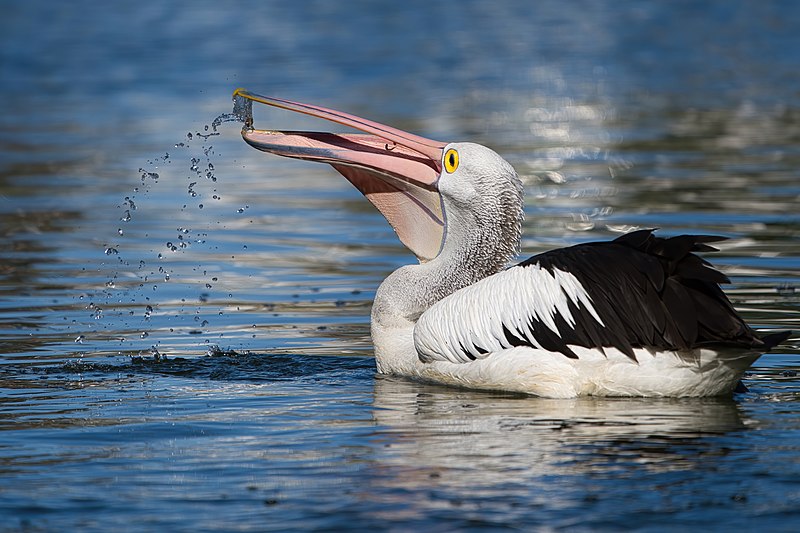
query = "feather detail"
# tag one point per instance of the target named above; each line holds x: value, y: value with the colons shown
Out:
x: 638, y: 291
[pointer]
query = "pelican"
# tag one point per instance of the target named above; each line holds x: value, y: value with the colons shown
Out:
x: 640, y: 315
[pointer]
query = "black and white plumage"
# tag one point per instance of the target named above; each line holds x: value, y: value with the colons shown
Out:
x: 641, y: 315
x: 638, y: 291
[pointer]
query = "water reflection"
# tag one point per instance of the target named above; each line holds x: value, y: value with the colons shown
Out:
x: 442, y: 420
x: 524, y: 454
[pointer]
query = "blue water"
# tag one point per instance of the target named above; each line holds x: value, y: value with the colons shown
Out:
x: 184, y: 322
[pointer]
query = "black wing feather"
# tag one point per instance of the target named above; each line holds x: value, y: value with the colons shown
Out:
x: 650, y: 292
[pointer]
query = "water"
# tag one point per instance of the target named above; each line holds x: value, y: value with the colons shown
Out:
x: 184, y: 321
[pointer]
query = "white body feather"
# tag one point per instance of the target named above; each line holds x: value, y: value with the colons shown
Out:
x: 700, y: 372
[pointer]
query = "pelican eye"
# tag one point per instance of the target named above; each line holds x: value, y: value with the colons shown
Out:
x: 451, y: 161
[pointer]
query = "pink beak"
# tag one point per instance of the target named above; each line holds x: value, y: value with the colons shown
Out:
x: 397, y: 171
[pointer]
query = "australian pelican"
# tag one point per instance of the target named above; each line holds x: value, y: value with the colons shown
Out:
x: 637, y: 316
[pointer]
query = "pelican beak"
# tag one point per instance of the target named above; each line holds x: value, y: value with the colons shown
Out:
x: 397, y: 171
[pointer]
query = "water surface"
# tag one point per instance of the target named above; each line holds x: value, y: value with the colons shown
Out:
x: 184, y: 322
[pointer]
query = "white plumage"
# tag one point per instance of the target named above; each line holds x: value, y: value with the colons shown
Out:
x: 473, y: 318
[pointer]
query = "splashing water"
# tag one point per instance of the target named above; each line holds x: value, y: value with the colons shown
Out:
x: 242, y: 112
x: 202, y: 170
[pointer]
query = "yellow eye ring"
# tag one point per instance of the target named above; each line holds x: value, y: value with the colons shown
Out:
x: 451, y: 161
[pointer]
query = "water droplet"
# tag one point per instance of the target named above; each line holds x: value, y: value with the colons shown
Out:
x: 79, y: 339
x: 111, y: 251
x: 119, y: 231
x: 147, y: 174
x: 189, y: 136
x: 144, y: 335
x: 127, y: 216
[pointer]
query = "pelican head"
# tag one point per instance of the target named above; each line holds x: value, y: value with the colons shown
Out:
x: 442, y: 199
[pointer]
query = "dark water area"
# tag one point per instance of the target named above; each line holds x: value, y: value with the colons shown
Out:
x: 184, y: 322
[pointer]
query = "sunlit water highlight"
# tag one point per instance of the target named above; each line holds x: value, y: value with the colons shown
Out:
x: 184, y: 321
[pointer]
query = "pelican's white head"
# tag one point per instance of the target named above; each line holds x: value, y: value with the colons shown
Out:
x: 482, y: 199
